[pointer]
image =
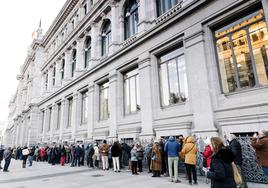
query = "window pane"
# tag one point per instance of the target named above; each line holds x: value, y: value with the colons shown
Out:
x: 259, y: 41
x: 104, y: 96
x: 133, y: 102
x: 182, y: 79
x: 59, y: 116
x: 173, y: 82
x: 138, y: 92
x: 164, y: 85
x: 70, y: 106
x: 244, y: 64
x: 127, y: 99
x: 226, y: 65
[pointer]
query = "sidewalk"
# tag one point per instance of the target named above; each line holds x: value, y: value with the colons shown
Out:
x: 43, y: 175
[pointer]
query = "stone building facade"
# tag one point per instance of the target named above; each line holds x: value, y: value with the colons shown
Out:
x: 137, y: 69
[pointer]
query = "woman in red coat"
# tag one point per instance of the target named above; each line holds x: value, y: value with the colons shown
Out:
x: 207, y: 153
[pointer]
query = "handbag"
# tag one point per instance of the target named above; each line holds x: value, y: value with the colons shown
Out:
x: 237, y: 175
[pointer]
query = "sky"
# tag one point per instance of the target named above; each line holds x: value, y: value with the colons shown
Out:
x: 19, y: 19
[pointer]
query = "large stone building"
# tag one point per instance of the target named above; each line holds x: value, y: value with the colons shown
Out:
x: 137, y: 69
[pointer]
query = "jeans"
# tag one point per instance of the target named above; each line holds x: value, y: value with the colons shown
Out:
x: 265, y: 170
x: 191, y: 171
x: 7, y: 162
x: 116, y: 163
x: 173, y: 162
x: 134, y: 165
x: 140, y: 165
x: 30, y: 159
x: 105, y: 165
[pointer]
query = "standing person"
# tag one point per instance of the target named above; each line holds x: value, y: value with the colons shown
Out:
x: 221, y: 170
x: 148, y: 155
x: 36, y: 154
x: 1, y: 156
x: 156, y: 161
x: 104, y: 150
x: 260, y: 144
x: 116, y: 152
x: 82, y: 155
x: 140, y: 157
x: 172, y: 149
x: 25, y: 153
x: 207, y: 154
x: 90, y: 155
x: 7, y: 156
x: 31, y: 155
x: 62, y: 155
x: 96, y: 156
x: 53, y: 155
x: 235, y: 146
x: 189, y: 150
x: 134, y: 160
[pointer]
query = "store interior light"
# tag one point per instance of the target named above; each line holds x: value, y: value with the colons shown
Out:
x: 86, y: 49
x: 103, y: 34
x: 127, y: 14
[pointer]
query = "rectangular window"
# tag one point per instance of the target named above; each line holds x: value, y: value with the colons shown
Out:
x: 85, y: 9
x: 131, y: 91
x: 242, y: 49
x: 59, y: 116
x: 70, y: 109
x: 104, y: 101
x: 164, y: 5
x: 173, y: 78
x: 49, y: 118
x: 46, y: 81
x: 54, y: 76
x: 84, y: 107
x: 62, y: 69
x: 43, y: 121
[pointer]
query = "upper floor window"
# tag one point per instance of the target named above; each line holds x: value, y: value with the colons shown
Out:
x: 58, y: 116
x: 242, y: 49
x: 106, y: 37
x: 46, y: 81
x: 131, y: 18
x: 49, y: 118
x: 85, y: 9
x: 62, y: 69
x: 54, y: 76
x: 164, y: 5
x: 132, y: 91
x: 73, y: 62
x: 87, y: 51
x: 173, y: 80
x: 104, y: 101
x: 43, y: 121
x: 84, y: 114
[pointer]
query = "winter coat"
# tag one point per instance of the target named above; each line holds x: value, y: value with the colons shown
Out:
x: 261, y: 148
x: 116, y: 150
x: 156, y: 165
x: 148, y: 151
x: 235, y: 146
x: 96, y: 155
x: 134, y: 155
x: 207, y: 155
x: 7, y: 155
x: 172, y: 148
x: 221, y: 170
x: 1, y: 154
x: 140, y: 153
x: 104, y: 149
x: 189, y: 150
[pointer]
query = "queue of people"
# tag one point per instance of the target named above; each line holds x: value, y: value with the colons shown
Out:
x: 222, y: 163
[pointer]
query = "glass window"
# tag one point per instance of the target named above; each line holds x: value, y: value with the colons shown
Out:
x: 49, y: 118
x: 242, y: 48
x: 54, y: 76
x: 131, y: 18
x: 84, y: 107
x: 106, y: 38
x: 173, y: 79
x: 70, y: 109
x: 43, y: 121
x: 104, y: 101
x: 87, y: 52
x: 59, y: 116
x: 131, y: 91
x: 46, y: 81
x: 164, y: 5
x: 73, y: 62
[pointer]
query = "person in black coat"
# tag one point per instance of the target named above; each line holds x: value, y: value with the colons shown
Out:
x: 1, y: 156
x: 116, y: 151
x: 7, y: 156
x: 221, y: 170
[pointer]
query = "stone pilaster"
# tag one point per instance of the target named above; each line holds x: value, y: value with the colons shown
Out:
x: 58, y: 74
x: 114, y: 25
x: 147, y: 13
x: 94, y: 41
x: 45, y: 123
x: 50, y: 75
x: 145, y: 79
x: 53, y: 121
x: 79, y: 57
x: 91, y: 114
x: 67, y: 68
x: 74, y: 122
x: 63, y: 119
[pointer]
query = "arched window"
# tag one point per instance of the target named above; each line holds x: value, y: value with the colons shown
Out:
x: 87, y: 51
x: 164, y: 5
x: 73, y: 62
x: 106, y: 38
x: 131, y: 18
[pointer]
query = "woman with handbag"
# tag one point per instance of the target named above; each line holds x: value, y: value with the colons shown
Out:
x: 189, y: 150
x: 221, y: 171
x: 156, y: 160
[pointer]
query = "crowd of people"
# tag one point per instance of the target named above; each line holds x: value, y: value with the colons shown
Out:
x: 222, y: 163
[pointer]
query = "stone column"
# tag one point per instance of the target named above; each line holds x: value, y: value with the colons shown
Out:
x: 74, y: 122
x: 113, y: 104
x: 147, y: 13
x: 79, y: 57
x: 50, y: 84
x: 45, y: 123
x: 53, y: 120
x: 94, y: 42
x: 69, y: 28
x: 58, y: 74
x: 146, y: 99
x: 199, y: 91
x: 64, y: 117
x: 90, y: 122
x: 67, y: 68
x: 114, y: 26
